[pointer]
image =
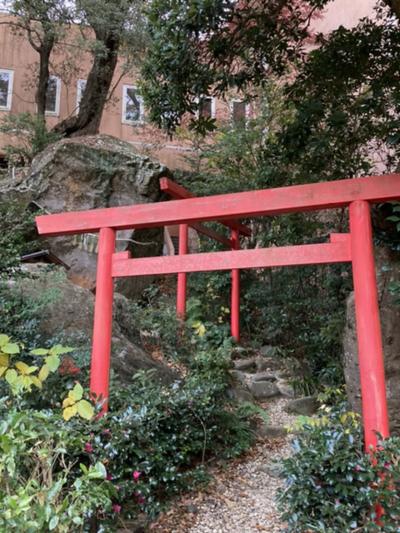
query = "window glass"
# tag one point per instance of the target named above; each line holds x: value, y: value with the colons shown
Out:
x: 5, y: 89
x: 206, y: 107
x: 133, y: 105
x: 238, y: 112
x: 53, y: 95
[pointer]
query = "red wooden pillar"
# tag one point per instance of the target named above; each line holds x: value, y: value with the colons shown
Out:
x: 370, y: 351
x: 235, y: 291
x: 102, y: 329
x: 182, y: 276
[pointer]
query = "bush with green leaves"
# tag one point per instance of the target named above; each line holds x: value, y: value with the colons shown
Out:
x: 155, y: 439
x: 151, y: 445
x: 332, y: 485
x: 45, y: 484
x: 16, y: 230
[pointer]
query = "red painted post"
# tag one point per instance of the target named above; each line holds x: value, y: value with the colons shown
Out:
x: 235, y: 291
x: 102, y: 329
x: 370, y: 351
x: 182, y: 276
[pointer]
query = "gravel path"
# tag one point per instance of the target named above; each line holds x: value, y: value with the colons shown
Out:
x: 241, y: 497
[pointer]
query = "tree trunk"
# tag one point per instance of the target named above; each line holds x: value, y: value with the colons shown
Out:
x: 91, y: 107
x: 44, y: 74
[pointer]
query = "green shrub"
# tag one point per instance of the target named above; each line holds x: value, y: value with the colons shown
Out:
x: 152, y: 444
x: 42, y: 488
x: 332, y: 485
x: 16, y: 229
x: 165, y: 434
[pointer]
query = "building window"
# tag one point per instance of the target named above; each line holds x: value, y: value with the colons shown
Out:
x: 239, y: 112
x: 80, y: 89
x: 207, y: 107
x: 53, y: 96
x: 132, y: 107
x: 6, y: 88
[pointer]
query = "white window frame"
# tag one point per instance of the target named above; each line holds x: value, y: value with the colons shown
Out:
x: 8, y: 105
x: 124, y: 102
x: 79, y: 93
x: 213, y: 105
x: 58, y: 98
x: 246, y: 113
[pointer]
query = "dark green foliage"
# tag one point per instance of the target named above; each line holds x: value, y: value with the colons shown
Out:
x: 203, y: 47
x: 16, y: 230
x: 347, y: 102
x: 333, y: 486
x: 166, y: 434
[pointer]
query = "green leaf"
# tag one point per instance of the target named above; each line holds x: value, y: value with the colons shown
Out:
x: 76, y: 393
x: 11, y: 377
x: 98, y: 471
x: 44, y: 372
x: 4, y: 339
x: 53, y: 523
x: 39, y: 351
x: 58, y: 349
x: 53, y: 362
x: 10, y: 348
x: 85, y: 409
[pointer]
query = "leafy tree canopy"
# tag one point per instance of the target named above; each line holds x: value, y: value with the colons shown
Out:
x: 211, y: 46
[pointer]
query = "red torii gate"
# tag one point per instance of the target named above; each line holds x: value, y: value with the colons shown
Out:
x: 355, y: 247
x: 237, y: 230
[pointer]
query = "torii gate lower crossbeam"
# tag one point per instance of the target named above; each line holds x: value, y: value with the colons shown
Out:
x: 357, y: 248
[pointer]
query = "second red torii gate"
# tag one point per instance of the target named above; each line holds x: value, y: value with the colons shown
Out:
x: 237, y: 230
x: 355, y: 247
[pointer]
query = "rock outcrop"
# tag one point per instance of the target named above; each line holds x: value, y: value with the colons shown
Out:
x: 67, y: 316
x: 90, y: 173
x: 388, y: 271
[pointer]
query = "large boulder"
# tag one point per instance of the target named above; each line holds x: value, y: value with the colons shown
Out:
x: 67, y: 316
x: 89, y: 173
x: 388, y: 271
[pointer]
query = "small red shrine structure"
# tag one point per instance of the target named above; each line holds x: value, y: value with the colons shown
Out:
x: 355, y: 247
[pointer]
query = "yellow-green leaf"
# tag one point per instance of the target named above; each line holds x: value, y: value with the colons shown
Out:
x: 39, y: 351
x: 58, y: 349
x: 11, y: 376
x: 53, y: 362
x: 76, y: 393
x: 11, y: 348
x: 69, y: 412
x: 24, y: 368
x: 36, y: 381
x: 26, y: 382
x: 2, y: 370
x: 44, y: 372
x: 68, y: 402
x: 4, y: 339
x: 85, y: 409
x: 4, y: 359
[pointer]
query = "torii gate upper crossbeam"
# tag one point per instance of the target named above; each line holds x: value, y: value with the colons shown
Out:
x: 312, y: 197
